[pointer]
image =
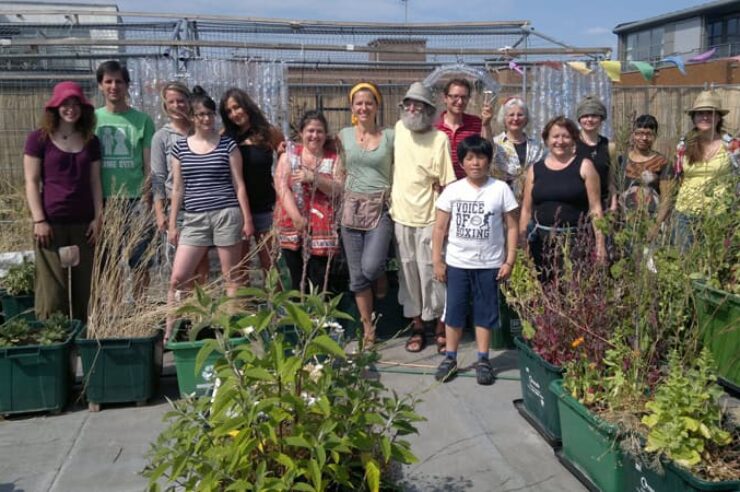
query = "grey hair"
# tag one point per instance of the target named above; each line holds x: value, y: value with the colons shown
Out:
x: 510, y: 103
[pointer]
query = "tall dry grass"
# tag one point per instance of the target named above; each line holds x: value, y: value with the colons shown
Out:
x: 15, y: 218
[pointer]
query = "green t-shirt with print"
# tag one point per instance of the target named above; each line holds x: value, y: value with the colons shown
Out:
x: 123, y: 138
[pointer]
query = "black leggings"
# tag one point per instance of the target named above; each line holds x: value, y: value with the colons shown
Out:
x: 315, y: 270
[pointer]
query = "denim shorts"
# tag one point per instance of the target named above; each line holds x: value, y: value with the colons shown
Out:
x: 478, y: 285
x: 212, y: 228
x: 262, y: 221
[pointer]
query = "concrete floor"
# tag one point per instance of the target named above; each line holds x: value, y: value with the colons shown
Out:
x: 473, y: 439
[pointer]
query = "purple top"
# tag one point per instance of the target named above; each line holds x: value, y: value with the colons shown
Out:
x: 66, y: 193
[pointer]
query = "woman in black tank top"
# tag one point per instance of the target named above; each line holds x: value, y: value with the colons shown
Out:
x: 244, y: 122
x: 590, y: 145
x: 561, y: 192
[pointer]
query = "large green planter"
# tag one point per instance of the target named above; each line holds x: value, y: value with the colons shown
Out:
x: 589, y: 445
x: 718, y: 313
x: 120, y: 370
x: 192, y: 380
x: 538, y: 405
x: 35, y: 378
x: 18, y: 306
x: 639, y: 478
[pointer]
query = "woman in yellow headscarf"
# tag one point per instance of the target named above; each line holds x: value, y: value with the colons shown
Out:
x: 366, y: 225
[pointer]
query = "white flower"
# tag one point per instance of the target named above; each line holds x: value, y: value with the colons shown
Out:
x: 248, y: 330
x: 310, y: 400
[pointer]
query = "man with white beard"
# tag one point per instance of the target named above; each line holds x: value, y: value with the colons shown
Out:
x: 422, y: 166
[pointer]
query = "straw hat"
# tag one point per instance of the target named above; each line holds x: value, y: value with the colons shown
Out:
x: 708, y: 101
x: 419, y: 92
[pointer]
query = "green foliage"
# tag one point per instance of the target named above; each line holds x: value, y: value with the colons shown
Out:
x: 685, y: 417
x: 19, y: 331
x: 291, y: 410
x: 20, y: 279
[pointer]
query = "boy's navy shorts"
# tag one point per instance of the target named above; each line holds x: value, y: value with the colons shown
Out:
x: 478, y: 285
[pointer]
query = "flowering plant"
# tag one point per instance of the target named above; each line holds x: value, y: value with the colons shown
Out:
x: 292, y: 411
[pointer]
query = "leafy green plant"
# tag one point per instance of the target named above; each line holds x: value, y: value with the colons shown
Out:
x: 291, y: 411
x: 19, y: 331
x: 20, y: 279
x: 685, y: 417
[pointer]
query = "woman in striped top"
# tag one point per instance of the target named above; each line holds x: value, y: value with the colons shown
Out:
x: 207, y: 181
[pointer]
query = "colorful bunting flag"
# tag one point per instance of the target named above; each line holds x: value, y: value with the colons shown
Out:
x: 613, y: 69
x: 703, y: 56
x: 676, y: 60
x: 645, y: 69
x: 513, y: 66
x: 580, y: 67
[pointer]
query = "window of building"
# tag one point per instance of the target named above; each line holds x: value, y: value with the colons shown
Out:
x: 645, y: 45
x: 723, y: 33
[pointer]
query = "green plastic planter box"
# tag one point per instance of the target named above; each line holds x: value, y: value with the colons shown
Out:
x: 639, y: 478
x: 718, y: 313
x: 191, y: 381
x: 538, y: 405
x: 36, y: 378
x: 589, y: 445
x: 119, y: 370
x: 18, y: 306
x: 509, y: 326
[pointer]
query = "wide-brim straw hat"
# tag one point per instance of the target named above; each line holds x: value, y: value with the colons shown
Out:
x: 708, y: 101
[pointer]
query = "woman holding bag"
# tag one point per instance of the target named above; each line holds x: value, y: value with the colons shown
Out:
x: 367, y: 228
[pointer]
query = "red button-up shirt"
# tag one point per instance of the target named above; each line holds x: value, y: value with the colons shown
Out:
x: 471, y: 125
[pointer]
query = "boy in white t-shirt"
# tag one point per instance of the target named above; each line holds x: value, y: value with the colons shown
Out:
x: 480, y: 252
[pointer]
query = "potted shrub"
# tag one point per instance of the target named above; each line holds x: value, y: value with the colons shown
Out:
x: 36, y: 364
x: 121, y: 347
x: 191, y: 335
x: 300, y: 416
x: 555, y: 316
x: 18, y: 286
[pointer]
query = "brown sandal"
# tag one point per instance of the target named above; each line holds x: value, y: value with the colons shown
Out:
x: 440, y: 338
x: 417, y: 341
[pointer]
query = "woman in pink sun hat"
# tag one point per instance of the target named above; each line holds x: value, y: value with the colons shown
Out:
x: 61, y: 165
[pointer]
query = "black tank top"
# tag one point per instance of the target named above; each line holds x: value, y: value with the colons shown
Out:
x: 559, y: 198
x: 257, y: 163
x: 599, y: 155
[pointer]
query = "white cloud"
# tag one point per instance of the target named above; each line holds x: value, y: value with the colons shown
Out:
x: 597, y: 31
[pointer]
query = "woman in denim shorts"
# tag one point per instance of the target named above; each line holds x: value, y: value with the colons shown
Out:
x: 258, y: 143
x: 208, y: 184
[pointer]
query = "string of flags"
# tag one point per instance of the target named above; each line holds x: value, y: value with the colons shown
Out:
x: 613, y: 68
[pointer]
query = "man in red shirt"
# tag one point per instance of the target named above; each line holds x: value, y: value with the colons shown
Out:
x: 458, y: 125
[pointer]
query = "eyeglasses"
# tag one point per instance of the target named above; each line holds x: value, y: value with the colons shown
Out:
x: 70, y: 103
x: 457, y: 97
x: 205, y: 114
x: 412, y: 105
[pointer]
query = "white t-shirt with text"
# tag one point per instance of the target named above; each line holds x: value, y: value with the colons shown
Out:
x: 476, y: 237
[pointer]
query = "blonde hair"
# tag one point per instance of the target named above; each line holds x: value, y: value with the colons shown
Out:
x: 176, y: 86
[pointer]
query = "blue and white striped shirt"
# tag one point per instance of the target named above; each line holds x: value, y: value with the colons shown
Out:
x: 207, y: 177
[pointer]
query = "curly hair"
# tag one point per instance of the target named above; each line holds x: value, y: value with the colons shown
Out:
x: 85, y: 125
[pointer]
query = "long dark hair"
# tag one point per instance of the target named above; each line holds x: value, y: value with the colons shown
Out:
x: 259, y: 128
x: 694, y: 147
x: 85, y: 125
x: 199, y: 96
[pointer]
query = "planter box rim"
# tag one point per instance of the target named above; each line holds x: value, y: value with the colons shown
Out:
x: 593, y: 419
x: 524, y: 345
x: 74, y: 329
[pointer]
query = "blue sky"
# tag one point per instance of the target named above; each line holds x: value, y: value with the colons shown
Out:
x: 579, y: 23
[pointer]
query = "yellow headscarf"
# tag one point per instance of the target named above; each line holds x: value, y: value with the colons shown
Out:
x: 364, y: 86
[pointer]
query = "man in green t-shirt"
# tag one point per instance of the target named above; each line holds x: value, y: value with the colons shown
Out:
x: 125, y: 136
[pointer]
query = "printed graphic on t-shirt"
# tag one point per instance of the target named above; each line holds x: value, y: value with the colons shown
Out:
x: 471, y: 219
x: 116, y: 142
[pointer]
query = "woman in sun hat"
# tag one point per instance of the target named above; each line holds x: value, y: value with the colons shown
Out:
x: 61, y: 165
x: 704, y: 162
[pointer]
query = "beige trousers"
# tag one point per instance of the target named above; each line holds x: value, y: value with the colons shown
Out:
x: 418, y: 292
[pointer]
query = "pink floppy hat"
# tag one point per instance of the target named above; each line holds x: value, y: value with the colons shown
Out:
x: 62, y: 91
